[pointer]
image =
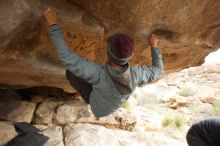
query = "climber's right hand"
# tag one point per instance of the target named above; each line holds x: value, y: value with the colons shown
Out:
x: 51, y: 16
x: 153, y: 40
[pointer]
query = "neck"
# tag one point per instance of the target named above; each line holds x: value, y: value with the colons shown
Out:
x: 116, y: 66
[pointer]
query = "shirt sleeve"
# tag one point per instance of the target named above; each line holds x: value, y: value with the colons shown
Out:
x: 145, y: 75
x: 79, y: 66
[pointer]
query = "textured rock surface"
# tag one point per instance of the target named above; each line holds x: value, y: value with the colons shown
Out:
x: 193, y: 92
x: 154, y: 122
x: 122, y: 119
x: 45, y: 112
x: 188, y: 30
x: 67, y: 114
x: 55, y: 135
x: 63, y: 112
x: 87, y: 134
x: 7, y: 133
x: 17, y: 111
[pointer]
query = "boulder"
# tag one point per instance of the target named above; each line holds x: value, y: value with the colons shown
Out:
x: 74, y: 111
x: 17, y: 111
x: 87, y: 134
x: 27, y: 57
x: 45, y: 112
x: 67, y: 114
x: 71, y: 110
x: 55, y: 135
x: 7, y: 133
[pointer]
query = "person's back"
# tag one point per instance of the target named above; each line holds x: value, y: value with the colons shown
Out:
x: 105, y: 86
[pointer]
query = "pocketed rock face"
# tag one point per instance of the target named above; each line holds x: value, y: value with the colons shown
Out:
x: 188, y: 31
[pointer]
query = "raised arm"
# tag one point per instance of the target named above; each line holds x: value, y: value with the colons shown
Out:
x: 143, y: 74
x: 79, y: 66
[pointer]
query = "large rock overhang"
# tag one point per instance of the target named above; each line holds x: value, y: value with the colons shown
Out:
x: 188, y: 32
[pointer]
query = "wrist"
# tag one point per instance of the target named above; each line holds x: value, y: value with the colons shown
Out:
x: 53, y: 24
x: 154, y: 46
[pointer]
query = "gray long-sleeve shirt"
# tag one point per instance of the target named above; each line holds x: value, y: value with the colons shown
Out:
x: 104, y: 97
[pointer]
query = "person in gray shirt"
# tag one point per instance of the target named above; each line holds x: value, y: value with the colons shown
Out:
x: 105, y: 86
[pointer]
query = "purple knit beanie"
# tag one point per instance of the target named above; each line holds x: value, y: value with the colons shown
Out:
x: 120, y: 48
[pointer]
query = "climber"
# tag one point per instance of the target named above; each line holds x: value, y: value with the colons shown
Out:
x: 204, y: 133
x: 105, y: 86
